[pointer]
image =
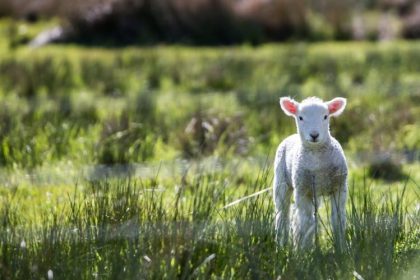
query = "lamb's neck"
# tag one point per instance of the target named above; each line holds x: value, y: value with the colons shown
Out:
x: 319, y: 148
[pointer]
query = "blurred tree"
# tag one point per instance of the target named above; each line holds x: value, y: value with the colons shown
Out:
x: 116, y: 22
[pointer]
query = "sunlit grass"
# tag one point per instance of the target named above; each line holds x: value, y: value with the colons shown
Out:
x: 146, y: 228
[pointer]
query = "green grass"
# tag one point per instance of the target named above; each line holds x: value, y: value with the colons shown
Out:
x: 132, y: 105
x: 118, y: 162
x: 133, y: 228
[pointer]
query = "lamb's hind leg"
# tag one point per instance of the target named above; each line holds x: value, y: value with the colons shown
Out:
x: 338, y: 215
x: 282, y: 195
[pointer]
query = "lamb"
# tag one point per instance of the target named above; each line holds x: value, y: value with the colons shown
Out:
x: 309, y: 165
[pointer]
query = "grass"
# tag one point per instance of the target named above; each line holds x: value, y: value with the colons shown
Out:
x: 117, y: 163
x: 134, y: 228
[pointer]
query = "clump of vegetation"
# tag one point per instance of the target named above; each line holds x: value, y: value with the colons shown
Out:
x: 386, y: 168
x: 204, y: 135
x: 123, y: 141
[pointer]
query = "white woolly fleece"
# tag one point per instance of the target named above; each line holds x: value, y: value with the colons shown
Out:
x: 309, y: 167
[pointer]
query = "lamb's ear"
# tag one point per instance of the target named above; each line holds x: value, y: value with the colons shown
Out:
x: 289, y: 106
x: 336, y: 106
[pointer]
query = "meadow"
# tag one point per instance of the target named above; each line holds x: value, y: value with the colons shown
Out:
x: 118, y: 163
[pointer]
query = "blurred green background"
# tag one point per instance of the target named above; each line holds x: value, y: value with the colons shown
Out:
x: 130, y: 124
x: 97, y: 98
x: 134, y: 105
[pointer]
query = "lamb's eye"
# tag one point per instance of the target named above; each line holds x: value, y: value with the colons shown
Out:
x: 300, y: 118
x: 325, y: 117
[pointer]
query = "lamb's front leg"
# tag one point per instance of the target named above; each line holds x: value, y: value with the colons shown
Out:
x: 338, y: 215
x: 282, y: 195
x: 303, y: 223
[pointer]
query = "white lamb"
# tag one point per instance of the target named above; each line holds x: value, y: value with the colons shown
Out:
x: 308, y: 165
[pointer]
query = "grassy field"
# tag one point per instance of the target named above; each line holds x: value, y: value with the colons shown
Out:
x: 117, y: 163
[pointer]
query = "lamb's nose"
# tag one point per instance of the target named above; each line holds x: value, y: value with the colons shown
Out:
x: 314, y: 135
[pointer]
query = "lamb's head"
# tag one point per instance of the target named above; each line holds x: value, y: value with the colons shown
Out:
x: 312, y: 117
